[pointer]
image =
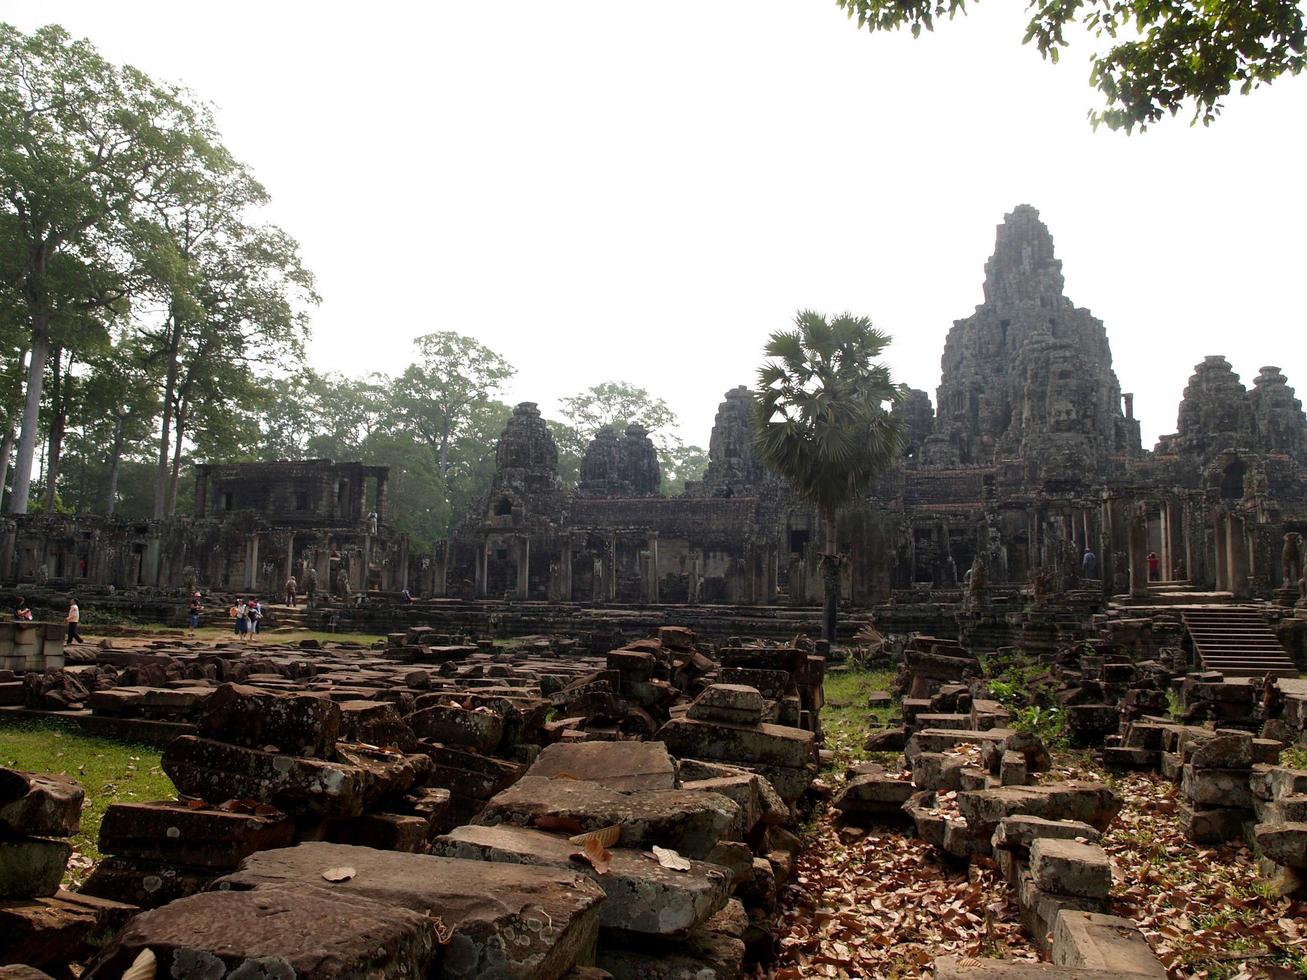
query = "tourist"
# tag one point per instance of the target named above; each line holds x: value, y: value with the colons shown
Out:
x: 72, y: 619
x: 22, y: 612
x: 194, y: 612
x: 291, y: 588
x: 310, y: 586
x: 242, y: 618
x: 1153, y: 574
x: 256, y: 614
x: 406, y: 596
x: 1089, y: 564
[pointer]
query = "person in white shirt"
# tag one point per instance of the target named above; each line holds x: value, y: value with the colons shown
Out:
x: 72, y: 619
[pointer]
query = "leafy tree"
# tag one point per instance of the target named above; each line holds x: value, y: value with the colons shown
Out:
x: 81, y: 144
x: 439, y: 393
x: 615, y: 405
x: 821, y: 421
x: 1159, y: 55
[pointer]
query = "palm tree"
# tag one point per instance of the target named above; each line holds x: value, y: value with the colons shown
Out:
x: 822, y: 421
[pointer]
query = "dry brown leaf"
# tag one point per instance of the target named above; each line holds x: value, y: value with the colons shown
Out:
x: 142, y: 968
x: 669, y: 859
x: 594, y: 854
x: 339, y: 874
x: 606, y: 836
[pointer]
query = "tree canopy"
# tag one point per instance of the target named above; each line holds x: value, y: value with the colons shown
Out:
x: 1155, y: 58
x: 822, y: 419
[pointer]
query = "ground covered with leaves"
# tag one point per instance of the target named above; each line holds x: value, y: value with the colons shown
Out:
x: 109, y: 771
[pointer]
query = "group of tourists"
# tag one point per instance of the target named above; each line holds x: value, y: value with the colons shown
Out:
x: 72, y: 619
x: 248, y: 614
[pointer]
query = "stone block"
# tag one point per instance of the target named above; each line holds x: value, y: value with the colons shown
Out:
x: 873, y: 794
x: 1068, y: 867
x: 969, y: 968
x: 479, y: 729
x: 217, y: 771
x: 1013, y: 769
x: 621, y: 766
x: 777, y: 745
x: 734, y: 704
x: 308, y: 933
x: 1092, y: 803
x: 376, y: 723
x: 1018, y: 832
x: 641, y: 895
x: 180, y: 834
x: 690, y: 823
x: 31, y: 867
x: 145, y: 884
x: 1092, y: 940
x: 1283, y: 843
x: 1226, y: 750
x: 503, y: 920
x: 298, y: 724
x: 1211, y: 825
x: 1216, y: 787
x: 39, y: 804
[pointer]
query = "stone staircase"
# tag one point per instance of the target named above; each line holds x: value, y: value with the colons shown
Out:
x: 1236, y: 641
x: 280, y: 616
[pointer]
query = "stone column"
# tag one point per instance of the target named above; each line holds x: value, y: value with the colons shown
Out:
x: 565, y: 569
x: 612, y: 567
x: 290, y: 560
x: 1106, y: 565
x: 381, y: 499
x: 1222, y: 539
x: 481, y: 569
x: 653, y: 567
x: 252, y: 562
x: 1137, y: 544
x: 523, y: 568
x: 201, y: 490
x: 1237, y: 549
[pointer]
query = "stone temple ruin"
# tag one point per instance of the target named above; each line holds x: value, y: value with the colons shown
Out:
x: 621, y: 791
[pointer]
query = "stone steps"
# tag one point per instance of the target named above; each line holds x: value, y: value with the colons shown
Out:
x: 1237, y: 642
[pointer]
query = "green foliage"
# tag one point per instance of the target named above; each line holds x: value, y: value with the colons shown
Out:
x: 846, y: 719
x: 1027, y: 689
x: 615, y: 405
x: 109, y: 771
x: 1294, y: 758
x: 1158, y: 57
x: 821, y: 417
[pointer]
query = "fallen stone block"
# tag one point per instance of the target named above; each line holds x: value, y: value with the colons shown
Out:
x: 687, y: 822
x: 502, y: 920
x: 298, y: 724
x: 376, y: 723
x: 873, y: 795
x: 1018, y: 832
x: 620, y: 766
x: 1211, y: 825
x: 479, y: 729
x: 44, y: 932
x: 208, y: 837
x: 1216, y: 787
x: 39, y: 804
x: 777, y: 745
x: 1068, y: 867
x: 1091, y: 803
x: 217, y: 771
x: 641, y: 895
x: 304, y: 933
x: 1283, y: 843
x: 31, y: 867
x: 145, y: 884
x: 734, y: 704
x: 1092, y: 940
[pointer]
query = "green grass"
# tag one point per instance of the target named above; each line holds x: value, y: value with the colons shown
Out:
x: 846, y: 719
x: 1294, y: 758
x: 215, y: 634
x: 109, y: 771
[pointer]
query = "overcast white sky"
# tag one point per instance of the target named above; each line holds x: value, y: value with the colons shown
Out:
x: 607, y: 190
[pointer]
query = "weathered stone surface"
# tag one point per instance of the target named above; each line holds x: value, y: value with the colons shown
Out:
x: 690, y: 823
x: 39, y: 804
x: 480, y: 729
x: 1216, y: 787
x: 299, y: 724
x: 970, y: 968
x: 641, y: 895
x: 777, y: 745
x: 623, y: 766
x: 22, y: 973
x: 1227, y: 750
x: 308, y: 933
x: 376, y: 723
x: 1094, y: 941
x: 873, y: 794
x: 506, y: 920
x: 734, y: 704
x: 177, y: 833
x: 1284, y: 843
x: 1211, y: 825
x: 1017, y: 833
x: 217, y: 771
x: 31, y: 867
x: 1092, y: 803
x: 1068, y: 867
x: 145, y: 884
x: 44, y: 932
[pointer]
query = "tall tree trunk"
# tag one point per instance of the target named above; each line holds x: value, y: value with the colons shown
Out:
x: 7, y: 448
x: 830, y: 579
x: 115, y: 458
x: 165, y: 426
x: 59, y: 416
x: 183, y: 416
x: 31, y: 414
